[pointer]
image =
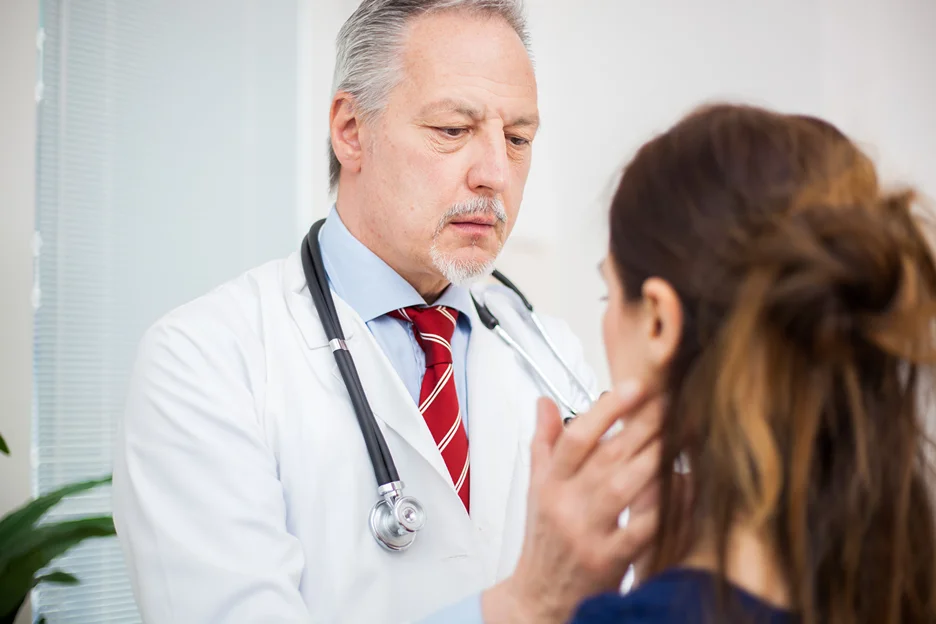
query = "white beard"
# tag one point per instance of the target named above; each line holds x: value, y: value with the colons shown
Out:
x: 462, y: 272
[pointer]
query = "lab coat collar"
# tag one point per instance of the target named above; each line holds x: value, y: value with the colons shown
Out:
x: 302, y: 308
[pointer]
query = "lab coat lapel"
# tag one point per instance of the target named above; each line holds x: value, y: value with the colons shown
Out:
x: 493, y: 434
x: 387, y: 396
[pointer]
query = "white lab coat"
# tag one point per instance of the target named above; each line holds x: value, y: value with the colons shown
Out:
x: 242, y: 486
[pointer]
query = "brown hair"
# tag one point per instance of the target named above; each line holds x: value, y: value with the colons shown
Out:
x: 808, y: 298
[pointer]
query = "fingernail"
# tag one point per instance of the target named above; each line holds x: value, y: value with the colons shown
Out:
x: 627, y: 390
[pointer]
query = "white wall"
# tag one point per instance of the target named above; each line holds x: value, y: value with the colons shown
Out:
x: 879, y: 82
x: 18, y: 25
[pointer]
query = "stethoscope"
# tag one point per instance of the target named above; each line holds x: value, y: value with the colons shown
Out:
x: 396, y: 519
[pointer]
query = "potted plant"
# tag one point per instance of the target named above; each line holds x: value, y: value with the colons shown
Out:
x: 27, y: 546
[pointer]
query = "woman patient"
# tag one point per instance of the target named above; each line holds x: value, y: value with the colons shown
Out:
x: 784, y: 304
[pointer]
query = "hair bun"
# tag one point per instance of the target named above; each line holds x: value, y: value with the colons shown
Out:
x: 830, y: 273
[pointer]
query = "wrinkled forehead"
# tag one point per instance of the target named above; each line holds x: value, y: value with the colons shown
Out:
x: 475, y: 58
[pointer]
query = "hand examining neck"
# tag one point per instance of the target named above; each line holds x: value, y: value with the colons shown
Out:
x: 574, y: 547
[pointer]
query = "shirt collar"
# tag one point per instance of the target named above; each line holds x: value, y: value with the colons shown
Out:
x: 367, y: 283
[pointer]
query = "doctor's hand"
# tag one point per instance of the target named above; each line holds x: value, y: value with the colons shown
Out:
x: 580, y: 483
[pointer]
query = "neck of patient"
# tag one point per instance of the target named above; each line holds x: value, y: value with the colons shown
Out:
x: 752, y: 564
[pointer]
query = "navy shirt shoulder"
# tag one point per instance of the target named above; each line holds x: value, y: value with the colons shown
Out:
x: 680, y: 596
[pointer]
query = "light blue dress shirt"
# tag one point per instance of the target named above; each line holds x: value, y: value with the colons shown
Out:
x: 372, y: 289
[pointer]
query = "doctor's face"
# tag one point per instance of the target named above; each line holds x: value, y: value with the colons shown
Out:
x: 445, y: 164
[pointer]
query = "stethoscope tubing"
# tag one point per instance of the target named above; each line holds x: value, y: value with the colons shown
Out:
x: 568, y: 369
x: 536, y: 369
x: 541, y: 330
x: 384, y: 467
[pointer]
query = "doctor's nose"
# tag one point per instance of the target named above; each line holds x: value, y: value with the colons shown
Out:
x: 488, y: 173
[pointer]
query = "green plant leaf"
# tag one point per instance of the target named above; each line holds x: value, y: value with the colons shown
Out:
x: 47, y: 543
x: 14, y: 526
x: 46, y: 536
x: 58, y: 577
x: 3, y: 446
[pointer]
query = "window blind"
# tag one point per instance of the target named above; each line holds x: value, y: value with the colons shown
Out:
x: 167, y: 164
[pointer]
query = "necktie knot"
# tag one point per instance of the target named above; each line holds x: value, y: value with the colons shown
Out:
x: 433, y: 328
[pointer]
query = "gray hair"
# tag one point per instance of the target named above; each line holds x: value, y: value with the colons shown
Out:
x: 367, y: 61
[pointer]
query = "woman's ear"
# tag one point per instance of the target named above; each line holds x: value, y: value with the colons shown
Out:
x: 663, y: 319
x: 345, y: 132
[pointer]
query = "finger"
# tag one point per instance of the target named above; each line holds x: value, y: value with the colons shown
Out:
x: 578, y: 439
x: 646, y: 499
x: 630, y: 542
x: 548, y: 429
x: 680, y: 495
x: 640, y: 430
x: 643, y: 424
x: 621, y: 486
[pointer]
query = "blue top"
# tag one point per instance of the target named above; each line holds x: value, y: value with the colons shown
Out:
x: 680, y: 596
x: 372, y: 289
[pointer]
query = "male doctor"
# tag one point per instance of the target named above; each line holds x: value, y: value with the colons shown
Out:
x: 242, y: 486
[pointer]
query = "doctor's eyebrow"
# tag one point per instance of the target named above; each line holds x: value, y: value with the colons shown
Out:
x: 450, y: 105
x: 460, y: 107
x: 532, y: 121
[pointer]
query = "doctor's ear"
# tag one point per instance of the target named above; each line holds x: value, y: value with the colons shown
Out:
x: 663, y: 321
x: 345, y: 128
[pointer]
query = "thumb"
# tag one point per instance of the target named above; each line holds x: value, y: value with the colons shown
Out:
x: 548, y: 428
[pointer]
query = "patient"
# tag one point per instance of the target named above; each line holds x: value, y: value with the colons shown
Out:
x: 784, y: 303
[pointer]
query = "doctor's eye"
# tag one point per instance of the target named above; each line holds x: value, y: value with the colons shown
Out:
x: 518, y: 141
x: 452, y: 133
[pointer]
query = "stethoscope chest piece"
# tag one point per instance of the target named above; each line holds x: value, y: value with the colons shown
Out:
x: 395, y: 520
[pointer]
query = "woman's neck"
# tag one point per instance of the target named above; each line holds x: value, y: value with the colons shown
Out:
x: 751, y: 564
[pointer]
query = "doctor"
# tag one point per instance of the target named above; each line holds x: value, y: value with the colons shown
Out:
x: 242, y: 483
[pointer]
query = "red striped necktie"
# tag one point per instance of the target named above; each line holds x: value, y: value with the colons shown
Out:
x: 438, y: 401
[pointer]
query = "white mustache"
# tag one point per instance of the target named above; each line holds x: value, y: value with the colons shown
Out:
x: 474, y: 206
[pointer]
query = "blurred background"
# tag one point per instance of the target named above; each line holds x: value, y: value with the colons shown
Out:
x: 152, y: 149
